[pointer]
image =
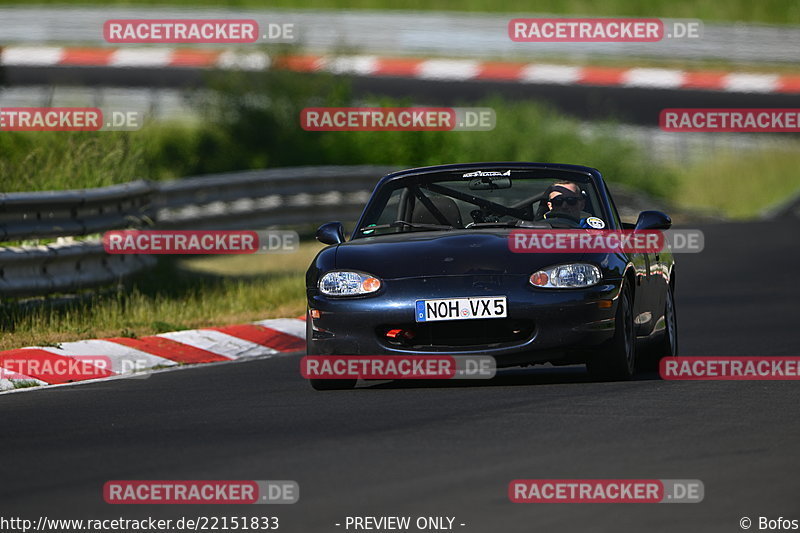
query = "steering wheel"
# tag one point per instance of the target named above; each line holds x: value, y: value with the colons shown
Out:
x: 482, y: 215
x: 562, y: 220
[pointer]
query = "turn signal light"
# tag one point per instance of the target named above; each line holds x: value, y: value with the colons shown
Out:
x: 371, y: 284
x: 539, y: 279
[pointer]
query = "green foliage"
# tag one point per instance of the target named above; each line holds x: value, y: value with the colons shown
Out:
x: 253, y: 121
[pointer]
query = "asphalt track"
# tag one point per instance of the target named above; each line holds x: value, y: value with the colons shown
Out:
x: 415, y: 449
x: 624, y: 104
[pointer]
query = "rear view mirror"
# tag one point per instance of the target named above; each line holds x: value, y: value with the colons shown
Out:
x: 331, y: 233
x: 653, y: 220
x: 489, y: 183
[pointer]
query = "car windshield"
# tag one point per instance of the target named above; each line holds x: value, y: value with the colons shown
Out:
x: 478, y: 199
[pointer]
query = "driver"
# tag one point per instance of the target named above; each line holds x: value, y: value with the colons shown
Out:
x: 565, y: 199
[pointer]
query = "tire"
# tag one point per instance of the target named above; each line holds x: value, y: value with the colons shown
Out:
x: 667, y: 344
x: 333, y: 384
x: 617, y: 361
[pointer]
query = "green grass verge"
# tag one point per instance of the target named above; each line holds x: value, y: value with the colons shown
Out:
x: 739, y: 184
x: 179, y: 294
x: 240, y: 132
x: 774, y: 11
x: 243, y: 132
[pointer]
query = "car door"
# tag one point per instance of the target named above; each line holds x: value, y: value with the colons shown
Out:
x: 645, y: 268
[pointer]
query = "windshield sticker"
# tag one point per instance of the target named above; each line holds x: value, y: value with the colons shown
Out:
x: 596, y: 223
x: 481, y: 173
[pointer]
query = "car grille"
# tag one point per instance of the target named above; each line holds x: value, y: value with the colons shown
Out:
x: 438, y: 336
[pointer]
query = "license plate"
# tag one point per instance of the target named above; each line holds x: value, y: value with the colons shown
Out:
x: 461, y: 308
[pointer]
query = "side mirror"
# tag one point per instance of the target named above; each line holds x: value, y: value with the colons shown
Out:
x: 331, y: 233
x: 653, y: 220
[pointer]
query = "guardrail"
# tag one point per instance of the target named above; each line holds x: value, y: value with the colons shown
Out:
x: 49, y: 214
x: 260, y: 198
x: 64, y: 268
x: 255, y: 199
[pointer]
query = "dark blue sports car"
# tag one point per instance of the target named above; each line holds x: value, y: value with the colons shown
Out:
x: 429, y: 270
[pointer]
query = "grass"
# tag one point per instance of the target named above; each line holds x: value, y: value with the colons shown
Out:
x: 33, y: 161
x: 740, y: 184
x: 772, y: 11
x: 179, y: 294
x: 24, y: 384
x: 243, y: 132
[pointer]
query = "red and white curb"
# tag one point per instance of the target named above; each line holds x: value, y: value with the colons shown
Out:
x: 431, y: 69
x: 124, y: 355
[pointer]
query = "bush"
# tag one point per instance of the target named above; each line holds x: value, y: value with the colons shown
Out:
x: 252, y: 121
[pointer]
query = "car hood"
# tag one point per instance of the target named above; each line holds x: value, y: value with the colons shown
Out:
x: 443, y: 253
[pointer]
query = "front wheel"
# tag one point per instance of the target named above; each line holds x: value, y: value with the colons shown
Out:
x: 618, y: 360
x: 667, y: 343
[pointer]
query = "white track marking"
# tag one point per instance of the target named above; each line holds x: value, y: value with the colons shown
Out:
x: 141, y: 57
x: 653, y: 77
x: 750, y: 83
x: 219, y: 343
x: 123, y: 359
x: 290, y: 326
x: 448, y: 69
x: 550, y: 74
x: 32, y: 55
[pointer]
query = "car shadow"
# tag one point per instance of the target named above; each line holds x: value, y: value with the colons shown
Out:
x: 512, y: 377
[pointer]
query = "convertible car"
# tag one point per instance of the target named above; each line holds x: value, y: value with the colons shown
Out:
x: 428, y: 270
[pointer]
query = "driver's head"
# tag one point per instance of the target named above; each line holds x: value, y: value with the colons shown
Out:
x: 565, y: 197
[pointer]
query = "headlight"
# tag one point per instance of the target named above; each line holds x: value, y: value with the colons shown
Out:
x: 344, y: 283
x: 570, y: 276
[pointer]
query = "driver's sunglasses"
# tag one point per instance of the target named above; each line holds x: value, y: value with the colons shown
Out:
x: 559, y: 200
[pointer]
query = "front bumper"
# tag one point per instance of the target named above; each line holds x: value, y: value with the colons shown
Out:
x: 556, y: 325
